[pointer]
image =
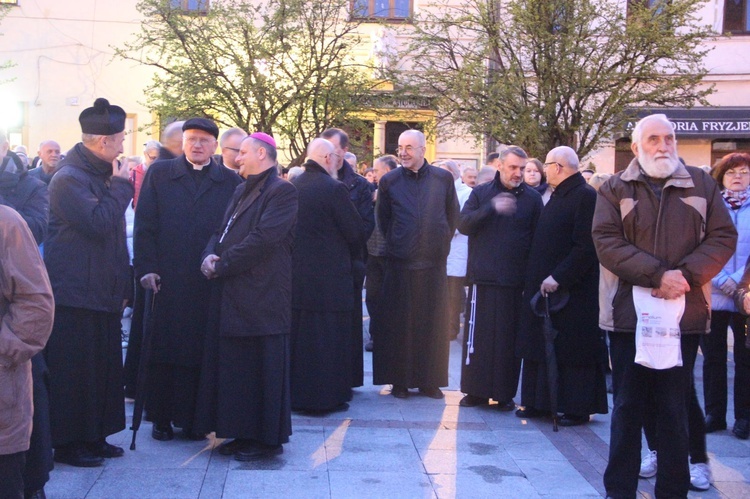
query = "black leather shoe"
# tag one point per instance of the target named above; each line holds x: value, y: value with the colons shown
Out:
x: 400, y: 392
x: 506, y: 406
x: 103, y: 449
x: 258, y: 452
x: 530, y: 413
x: 162, y: 433
x: 741, y: 429
x: 472, y: 401
x: 715, y: 424
x: 573, y: 420
x: 368, y: 346
x: 433, y: 393
x: 77, y: 455
x: 230, y: 447
x: 192, y: 435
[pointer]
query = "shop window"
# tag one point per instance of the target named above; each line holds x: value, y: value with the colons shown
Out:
x: 623, y: 154
x: 382, y: 9
x: 722, y: 147
x: 737, y: 16
x: 195, y: 6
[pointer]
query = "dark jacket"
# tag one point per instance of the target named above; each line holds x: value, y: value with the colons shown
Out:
x: 329, y: 234
x: 418, y: 213
x: 638, y: 238
x: 25, y: 194
x: 85, y: 250
x: 176, y: 217
x: 255, y: 269
x: 499, y: 244
x: 360, y: 193
x: 562, y: 247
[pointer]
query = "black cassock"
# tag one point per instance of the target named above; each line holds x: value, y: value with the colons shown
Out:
x: 179, y: 208
x: 329, y: 232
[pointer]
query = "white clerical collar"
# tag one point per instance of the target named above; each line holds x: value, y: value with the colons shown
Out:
x: 199, y: 167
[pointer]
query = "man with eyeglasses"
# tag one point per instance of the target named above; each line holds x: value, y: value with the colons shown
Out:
x: 562, y: 259
x: 660, y: 225
x: 230, y: 143
x: 181, y: 204
x: 417, y: 210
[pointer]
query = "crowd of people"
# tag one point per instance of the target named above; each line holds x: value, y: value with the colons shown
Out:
x: 245, y: 283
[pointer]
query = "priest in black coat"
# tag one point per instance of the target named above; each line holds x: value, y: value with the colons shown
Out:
x: 563, y: 257
x: 251, y: 258
x: 417, y: 210
x: 180, y: 205
x: 500, y: 218
x: 329, y: 235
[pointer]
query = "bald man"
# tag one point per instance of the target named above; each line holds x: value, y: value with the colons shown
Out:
x: 171, y: 141
x: 328, y: 236
x: 417, y: 210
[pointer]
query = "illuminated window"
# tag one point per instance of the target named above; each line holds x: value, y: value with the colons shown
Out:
x: 381, y: 9
x: 737, y: 16
x: 191, y: 5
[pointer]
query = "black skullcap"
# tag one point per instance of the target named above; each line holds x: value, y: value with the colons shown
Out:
x: 102, y: 119
x: 204, y: 124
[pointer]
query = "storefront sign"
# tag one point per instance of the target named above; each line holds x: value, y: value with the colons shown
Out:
x: 711, y: 123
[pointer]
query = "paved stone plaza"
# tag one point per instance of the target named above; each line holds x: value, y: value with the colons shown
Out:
x: 389, y: 448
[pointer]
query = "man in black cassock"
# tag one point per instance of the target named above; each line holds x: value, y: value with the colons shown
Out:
x: 563, y: 257
x: 328, y: 236
x: 251, y: 257
x: 417, y: 210
x: 181, y: 204
x: 360, y: 193
x: 500, y: 218
x: 87, y: 260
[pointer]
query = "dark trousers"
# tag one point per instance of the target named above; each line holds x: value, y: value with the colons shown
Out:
x: 373, y: 289
x: 714, y: 347
x: 637, y: 386
x: 11, y: 475
x: 456, y: 304
x: 696, y: 422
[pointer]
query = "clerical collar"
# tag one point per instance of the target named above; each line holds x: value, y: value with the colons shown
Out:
x: 198, y: 167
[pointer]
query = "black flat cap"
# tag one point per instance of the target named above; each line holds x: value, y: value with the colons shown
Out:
x: 204, y: 124
x: 557, y: 301
x: 102, y: 119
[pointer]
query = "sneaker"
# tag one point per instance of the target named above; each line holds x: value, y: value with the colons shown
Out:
x: 648, y: 465
x: 700, y: 476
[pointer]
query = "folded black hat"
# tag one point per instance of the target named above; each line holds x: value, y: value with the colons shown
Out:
x: 557, y: 301
x: 204, y: 124
x: 102, y: 119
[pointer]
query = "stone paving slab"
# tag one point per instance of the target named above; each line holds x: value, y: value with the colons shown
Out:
x: 388, y: 448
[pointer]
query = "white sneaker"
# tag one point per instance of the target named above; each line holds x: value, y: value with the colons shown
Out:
x: 648, y: 465
x: 700, y: 476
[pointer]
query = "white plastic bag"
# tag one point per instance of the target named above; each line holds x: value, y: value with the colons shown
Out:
x: 657, y: 334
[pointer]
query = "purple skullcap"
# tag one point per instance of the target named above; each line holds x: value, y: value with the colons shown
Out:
x: 264, y: 137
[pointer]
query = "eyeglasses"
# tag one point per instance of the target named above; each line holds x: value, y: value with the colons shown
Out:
x: 230, y: 149
x: 151, y: 158
x: 737, y: 173
x: 408, y: 149
x: 201, y: 142
x: 552, y: 163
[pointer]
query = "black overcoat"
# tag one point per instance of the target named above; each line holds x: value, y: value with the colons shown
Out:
x: 175, y: 218
x: 563, y: 248
x: 255, y: 269
x: 329, y: 233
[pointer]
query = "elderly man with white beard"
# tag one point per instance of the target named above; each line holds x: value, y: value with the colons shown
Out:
x: 661, y: 225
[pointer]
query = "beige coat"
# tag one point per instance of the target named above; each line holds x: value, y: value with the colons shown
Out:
x: 26, y: 315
